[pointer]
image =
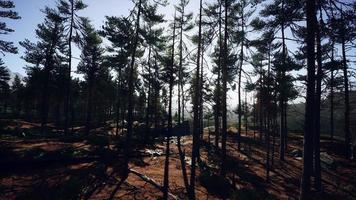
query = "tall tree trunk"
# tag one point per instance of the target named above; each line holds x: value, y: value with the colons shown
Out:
x: 66, y: 107
x: 348, y: 136
x: 171, y: 82
x: 180, y: 70
x: 47, y: 73
x: 224, y: 94
x: 239, y: 81
x: 131, y: 93
x: 218, y: 86
x: 282, y: 95
x: 148, y: 95
x: 261, y: 113
x: 332, y: 96
x: 196, y: 123
x: 309, y: 108
x: 268, y: 130
x: 118, y: 101
x: 89, y: 105
x: 156, y: 96
x: 246, y: 110
x: 317, y: 172
x: 201, y: 114
x: 275, y: 130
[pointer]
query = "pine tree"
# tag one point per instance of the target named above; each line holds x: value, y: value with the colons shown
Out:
x: 115, y: 30
x: 184, y: 25
x: 280, y: 16
x: 72, y: 22
x: 17, y: 94
x: 196, y: 121
x: 5, y: 46
x: 170, y: 76
x: 50, y: 34
x: 4, y: 75
x: 310, y: 102
x: 90, y: 65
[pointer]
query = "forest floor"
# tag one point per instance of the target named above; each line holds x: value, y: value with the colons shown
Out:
x: 63, y: 167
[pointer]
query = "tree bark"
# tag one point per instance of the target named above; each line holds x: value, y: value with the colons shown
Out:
x: 348, y: 136
x: 317, y: 167
x: 309, y: 109
x: 66, y: 107
x: 171, y: 81
x: 239, y: 81
x: 332, y: 96
x: 196, y: 139
x: 224, y: 109
x: 131, y: 93
x: 282, y: 102
x: 218, y: 86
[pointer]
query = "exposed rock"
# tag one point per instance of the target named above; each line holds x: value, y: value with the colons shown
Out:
x: 327, y: 161
x: 154, y: 152
x: 296, y: 153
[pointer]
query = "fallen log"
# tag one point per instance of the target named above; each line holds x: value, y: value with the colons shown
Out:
x: 152, y: 182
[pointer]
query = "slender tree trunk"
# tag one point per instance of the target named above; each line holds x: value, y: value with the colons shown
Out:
x: 196, y: 141
x: 309, y: 109
x: 180, y: 70
x: 239, y: 81
x: 261, y: 113
x: 182, y: 162
x: 89, y: 105
x: 348, y: 136
x: 118, y: 101
x: 268, y: 129
x: 274, y: 138
x: 131, y: 93
x: 156, y: 95
x: 282, y: 96
x: 171, y: 82
x: 332, y: 96
x: 224, y: 94
x: 66, y: 107
x: 201, y: 114
x: 319, y: 76
x: 148, y: 95
x: 218, y: 95
x: 254, y: 118
x: 47, y: 72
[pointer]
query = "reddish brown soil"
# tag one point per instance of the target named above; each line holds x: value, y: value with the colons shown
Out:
x: 246, y: 170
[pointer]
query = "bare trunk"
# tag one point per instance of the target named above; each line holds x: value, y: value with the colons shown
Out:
x: 224, y: 94
x: 196, y: 139
x: 239, y: 82
x: 309, y: 109
x: 317, y: 172
x: 348, y: 136
x: 332, y: 96
x: 282, y: 102
x: 131, y: 93
x: 218, y: 95
x: 171, y: 81
x: 66, y: 107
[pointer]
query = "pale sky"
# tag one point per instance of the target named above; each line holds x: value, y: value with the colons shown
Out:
x: 30, y: 11
x: 31, y: 15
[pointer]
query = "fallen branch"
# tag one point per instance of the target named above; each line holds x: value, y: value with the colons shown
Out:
x: 152, y: 182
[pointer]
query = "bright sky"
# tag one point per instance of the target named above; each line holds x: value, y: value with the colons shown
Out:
x: 30, y: 11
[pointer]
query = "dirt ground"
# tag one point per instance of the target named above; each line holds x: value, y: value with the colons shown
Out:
x: 78, y: 173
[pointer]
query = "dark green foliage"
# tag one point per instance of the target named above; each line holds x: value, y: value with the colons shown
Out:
x: 4, y: 76
x: 7, y: 12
